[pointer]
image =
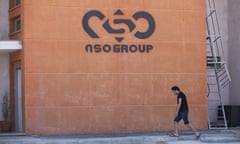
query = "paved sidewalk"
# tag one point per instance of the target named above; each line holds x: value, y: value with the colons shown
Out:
x: 231, y: 136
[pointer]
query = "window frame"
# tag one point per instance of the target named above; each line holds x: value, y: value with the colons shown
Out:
x: 14, y: 3
x: 16, y: 27
x: 17, y: 4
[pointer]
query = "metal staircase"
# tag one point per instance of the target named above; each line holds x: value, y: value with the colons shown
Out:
x: 218, y: 75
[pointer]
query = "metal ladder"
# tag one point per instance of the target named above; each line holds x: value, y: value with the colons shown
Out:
x: 218, y: 74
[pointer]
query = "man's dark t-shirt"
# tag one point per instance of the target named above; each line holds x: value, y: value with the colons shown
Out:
x: 184, y: 105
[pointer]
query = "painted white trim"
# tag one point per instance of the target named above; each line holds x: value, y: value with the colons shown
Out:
x: 10, y: 46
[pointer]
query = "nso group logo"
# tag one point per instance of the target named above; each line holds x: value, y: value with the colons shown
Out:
x: 119, y: 47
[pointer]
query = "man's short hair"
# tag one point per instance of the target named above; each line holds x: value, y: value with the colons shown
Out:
x: 175, y: 88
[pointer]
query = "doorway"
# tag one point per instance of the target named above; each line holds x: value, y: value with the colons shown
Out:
x: 18, y: 122
x: 11, y: 97
x: 16, y: 98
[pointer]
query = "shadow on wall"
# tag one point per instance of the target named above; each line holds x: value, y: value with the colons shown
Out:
x: 5, y: 123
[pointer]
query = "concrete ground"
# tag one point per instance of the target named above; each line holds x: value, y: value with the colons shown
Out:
x: 231, y: 136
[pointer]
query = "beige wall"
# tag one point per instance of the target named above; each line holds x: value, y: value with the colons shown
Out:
x: 234, y: 49
x: 4, y: 57
x: 222, y: 13
x: 229, y: 20
x: 4, y: 22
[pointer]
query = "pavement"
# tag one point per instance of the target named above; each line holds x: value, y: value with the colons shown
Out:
x: 230, y: 136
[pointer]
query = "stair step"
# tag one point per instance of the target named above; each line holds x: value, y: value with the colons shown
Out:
x: 213, y: 100
x: 214, y: 92
x: 211, y: 13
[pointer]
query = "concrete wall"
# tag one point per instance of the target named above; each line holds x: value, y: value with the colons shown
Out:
x: 4, y: 79
x: 4, y: 22
x: 68, y: 90
x: 222, y: 13
x: 4, y: 57
x: 234, y: 49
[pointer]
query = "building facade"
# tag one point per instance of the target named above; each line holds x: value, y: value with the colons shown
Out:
x: 103, y: 66
x: 4, y: 57
x: 233, y: 45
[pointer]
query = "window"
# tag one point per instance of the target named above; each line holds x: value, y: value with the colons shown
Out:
x: 17, y: 2
x: 17, y: 24
x: 14, y: 3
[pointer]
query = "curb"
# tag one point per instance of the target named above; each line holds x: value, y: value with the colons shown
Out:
x: 137, y: 139
x: 219, y: 138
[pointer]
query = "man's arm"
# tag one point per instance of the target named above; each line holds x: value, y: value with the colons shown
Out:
x: 178, y: 105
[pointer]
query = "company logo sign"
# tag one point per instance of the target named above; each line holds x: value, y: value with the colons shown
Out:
x: 119, y: 47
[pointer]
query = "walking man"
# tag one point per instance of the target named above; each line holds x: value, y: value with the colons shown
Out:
x: 182, y: 112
